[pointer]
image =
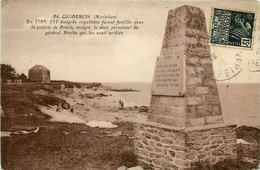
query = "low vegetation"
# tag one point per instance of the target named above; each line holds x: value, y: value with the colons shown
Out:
x: 57, y: 145
x: 76, y: 146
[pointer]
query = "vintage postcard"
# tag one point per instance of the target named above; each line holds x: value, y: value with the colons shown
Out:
x: 130, y: 85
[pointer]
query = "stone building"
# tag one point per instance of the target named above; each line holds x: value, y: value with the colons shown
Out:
x: 39, y: 73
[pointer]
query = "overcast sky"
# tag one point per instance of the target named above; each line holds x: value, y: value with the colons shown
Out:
x: 125, y: 58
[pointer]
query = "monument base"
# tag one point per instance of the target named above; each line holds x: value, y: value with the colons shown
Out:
x: 163, y: 147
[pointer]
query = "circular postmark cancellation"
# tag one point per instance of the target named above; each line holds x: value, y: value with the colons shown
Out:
x: 232, y: 28
x: 226, y: 69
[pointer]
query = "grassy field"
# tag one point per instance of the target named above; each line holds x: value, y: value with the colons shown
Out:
x: 57, y: 145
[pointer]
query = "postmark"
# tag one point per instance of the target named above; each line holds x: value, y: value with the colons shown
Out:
x: 227, y: 69
x: 254, y: 62
x: 232, y: 28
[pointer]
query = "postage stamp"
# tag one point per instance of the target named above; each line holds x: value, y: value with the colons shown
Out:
x: 232, y: 28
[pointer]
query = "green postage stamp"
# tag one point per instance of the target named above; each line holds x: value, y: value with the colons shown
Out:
x: 232, y: 28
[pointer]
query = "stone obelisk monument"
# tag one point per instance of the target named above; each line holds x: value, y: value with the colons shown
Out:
x: 185, y: 124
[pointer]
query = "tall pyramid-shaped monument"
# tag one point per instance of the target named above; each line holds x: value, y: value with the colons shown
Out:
x: 185, y: 125
x: 184, y: 90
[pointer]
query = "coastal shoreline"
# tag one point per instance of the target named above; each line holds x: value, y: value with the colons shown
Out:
x: 28, y: 123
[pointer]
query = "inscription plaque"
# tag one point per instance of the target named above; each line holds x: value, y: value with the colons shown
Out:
x: 168, y: 77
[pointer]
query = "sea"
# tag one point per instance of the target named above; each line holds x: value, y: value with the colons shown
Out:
x: 240, y: 102
x: 140, y: 98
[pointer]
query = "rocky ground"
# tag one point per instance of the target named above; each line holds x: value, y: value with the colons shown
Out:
x: 37, y: 136
x: 33, y: 141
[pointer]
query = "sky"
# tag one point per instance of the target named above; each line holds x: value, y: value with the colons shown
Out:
x: 123, y: 58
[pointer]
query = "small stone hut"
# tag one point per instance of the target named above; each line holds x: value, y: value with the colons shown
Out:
x: 39, y: 73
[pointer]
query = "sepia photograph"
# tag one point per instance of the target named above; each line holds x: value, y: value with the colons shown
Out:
x: 130, y: 85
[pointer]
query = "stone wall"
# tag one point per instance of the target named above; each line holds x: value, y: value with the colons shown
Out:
x: 162, y: 147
